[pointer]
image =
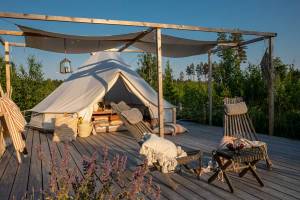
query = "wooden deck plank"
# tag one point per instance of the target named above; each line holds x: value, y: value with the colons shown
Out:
x: 88, y: 151
x: 98, y: 148
x: 239, y: 193
x: 9, y: 175
x: 35, y: 173
x: 132, y: 163
x: 283, y: 182
x: 46, y: 161
x: 20, y: 186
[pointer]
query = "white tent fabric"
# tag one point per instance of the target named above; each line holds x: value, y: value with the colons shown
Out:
x: 171, y: 46
x: 90, y: 84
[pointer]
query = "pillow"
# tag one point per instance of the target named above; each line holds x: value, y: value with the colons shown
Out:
x: 180, y: 129
x: 116, y: 122
x: 168, y: 130
x: 65, y: 129
x: 133, y: 115
x: 236, y: 109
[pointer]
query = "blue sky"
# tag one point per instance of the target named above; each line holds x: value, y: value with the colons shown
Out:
x: 278, y: 16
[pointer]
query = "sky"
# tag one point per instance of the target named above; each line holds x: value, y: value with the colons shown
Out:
x: 280, y: 16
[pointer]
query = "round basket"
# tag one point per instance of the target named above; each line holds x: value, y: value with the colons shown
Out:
x: 85, y: 129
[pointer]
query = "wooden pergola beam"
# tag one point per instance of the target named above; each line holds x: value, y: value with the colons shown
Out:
x: 7, y: 67
x: 244, y: 43
x: 160, y: 100
x: 2, y: 41
x: 140, y: 36
x: 17, y: 44
x: 129, y: 23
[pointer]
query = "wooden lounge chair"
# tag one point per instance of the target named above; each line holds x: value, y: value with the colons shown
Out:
x: 239, y: 126
x: 137, y: 130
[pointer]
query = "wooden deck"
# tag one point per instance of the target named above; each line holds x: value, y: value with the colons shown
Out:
x: 283, y: 182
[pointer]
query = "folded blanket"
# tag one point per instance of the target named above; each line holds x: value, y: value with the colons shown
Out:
x: 133, y: 115
x: 161, y: 151
x: 236, y: 109
x: 235, y: 141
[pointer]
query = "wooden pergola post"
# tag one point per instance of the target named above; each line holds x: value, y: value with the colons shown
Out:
x: 7, y: 67
x: 210, y: 88
x: 160, y: 83
x: 271, y: 88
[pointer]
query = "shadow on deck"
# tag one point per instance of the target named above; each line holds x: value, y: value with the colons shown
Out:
x: 283, y: 182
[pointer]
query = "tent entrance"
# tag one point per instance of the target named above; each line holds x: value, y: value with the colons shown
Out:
x: 120, y: 92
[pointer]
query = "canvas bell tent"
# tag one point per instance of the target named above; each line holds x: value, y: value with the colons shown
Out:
x: 104, y: 77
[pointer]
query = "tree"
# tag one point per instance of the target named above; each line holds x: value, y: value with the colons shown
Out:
x: 169, y: 90
x: 147, y: 68
x: 28, y: 86
x: 181, y: 76
x: 190, y: 71
x: 229, y: 67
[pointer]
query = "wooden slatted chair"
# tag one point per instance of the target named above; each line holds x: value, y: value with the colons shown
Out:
x: 241, y: 126
x: 137, y: 130
x: 237, y: 124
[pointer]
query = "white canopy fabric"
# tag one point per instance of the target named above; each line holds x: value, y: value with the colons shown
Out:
x: 61, y: 43
x: 90, y: 84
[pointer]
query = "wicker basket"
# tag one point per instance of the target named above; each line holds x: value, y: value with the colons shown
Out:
x: 85, y: 129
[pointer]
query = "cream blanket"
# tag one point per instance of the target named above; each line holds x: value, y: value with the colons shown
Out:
x: 161, y: 151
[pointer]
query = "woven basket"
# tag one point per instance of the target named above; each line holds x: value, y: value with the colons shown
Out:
x: 85, y: 129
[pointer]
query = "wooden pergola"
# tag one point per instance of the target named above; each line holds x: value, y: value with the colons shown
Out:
x: 157, y: 27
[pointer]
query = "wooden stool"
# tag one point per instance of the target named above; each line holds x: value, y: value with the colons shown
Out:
x: 246, y: 158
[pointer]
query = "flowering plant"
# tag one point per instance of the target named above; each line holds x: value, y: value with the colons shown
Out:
x: 108, y: 179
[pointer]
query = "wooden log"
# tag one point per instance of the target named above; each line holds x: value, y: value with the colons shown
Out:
x: 210, y: 88
x: 7, y: 67
x: 2, y: 41
x: 244, y: 43
x: 140, y: 36
x: 271, y: 88
x: 129, y: 23
x: 17, y: 44
x: 160, y: 83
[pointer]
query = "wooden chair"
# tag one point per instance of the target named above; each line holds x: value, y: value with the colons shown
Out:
x: 138, y: 130
x: 244, y: 160
x: 241, y: 126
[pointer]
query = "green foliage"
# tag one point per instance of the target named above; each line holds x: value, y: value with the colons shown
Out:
x: 148, y: 68
x: 230, y: 80
x: 29, y: 87
x: 168, y: 85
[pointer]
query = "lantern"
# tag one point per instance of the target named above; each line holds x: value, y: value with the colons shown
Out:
x: 65, y: 66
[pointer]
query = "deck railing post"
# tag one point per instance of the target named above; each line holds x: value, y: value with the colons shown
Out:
x: 209, y: 88
x: 160, y: 83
